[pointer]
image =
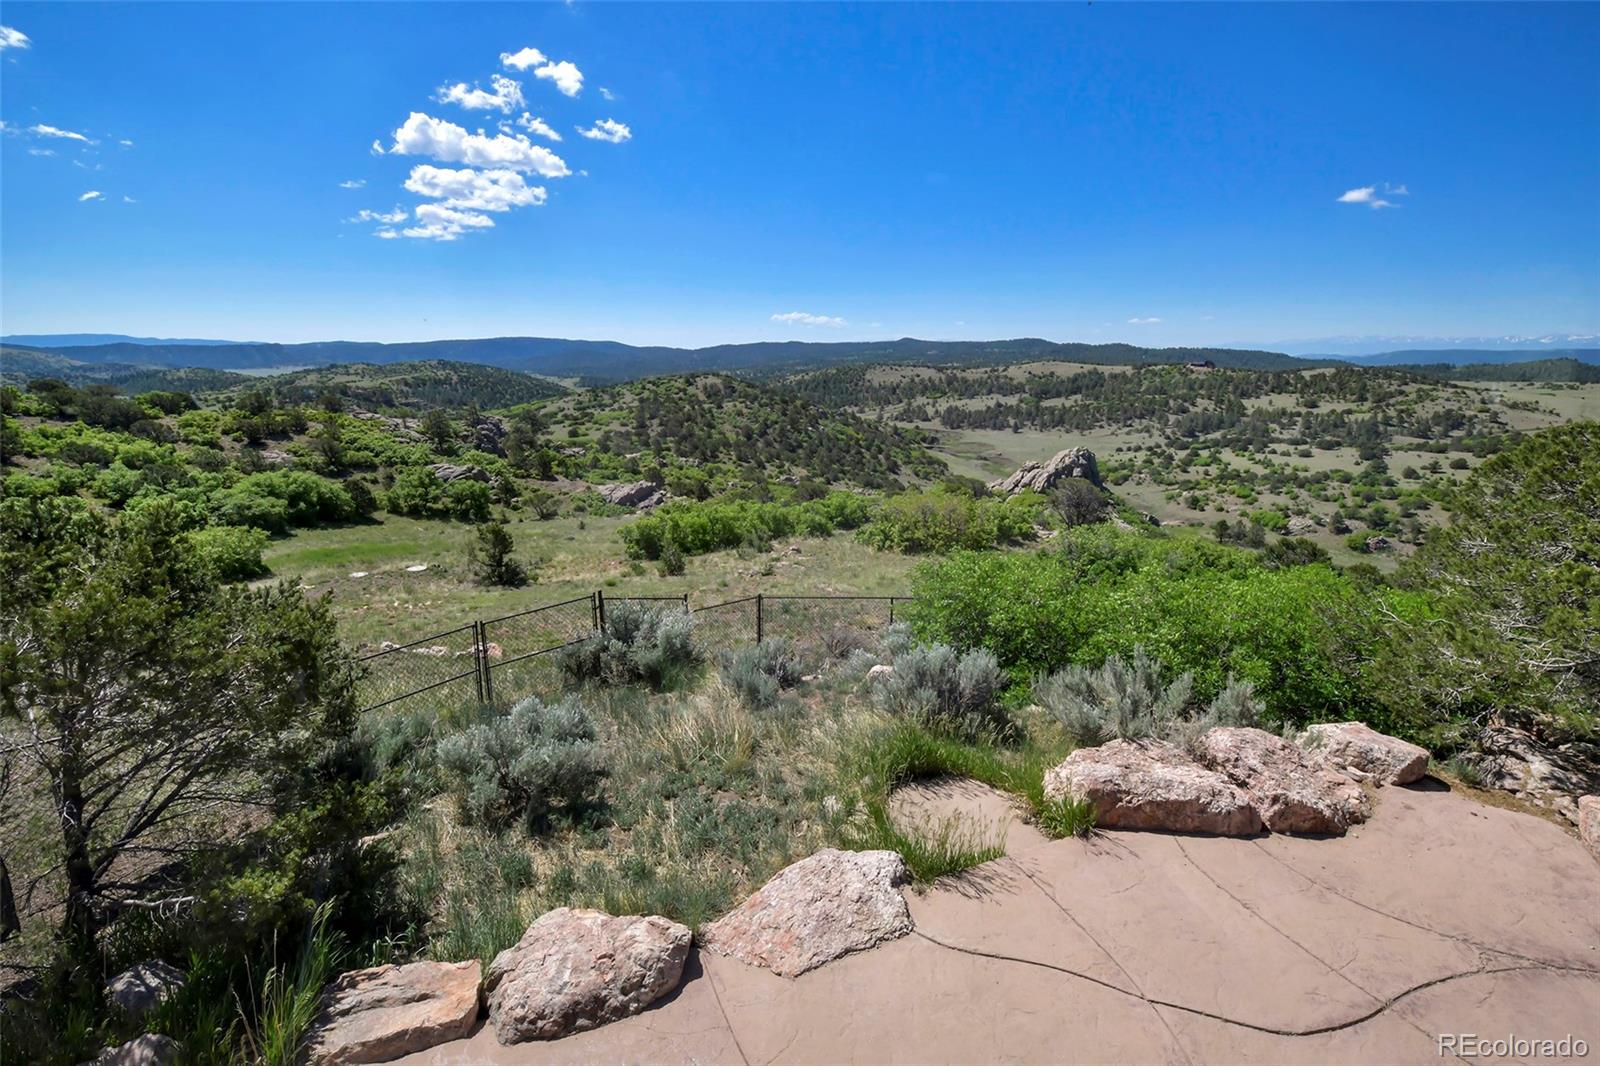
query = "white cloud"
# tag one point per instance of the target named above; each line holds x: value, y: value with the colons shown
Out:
x: 1143, y: 321
x: 528, y: 57
x: 445, y: 141
x: 41, y: 151
x: 386, y: 234
x: 125, y: 143
x: 399, y: 214
x: 567, y: 78
x: 505, y: 98
x: 129, y: 200
x: 377, y: 148
x: 607, y: 94
x: 353, y: 183
x: 538, y: 126
x: 1368, y: 194
x: 607, y: 130
x: 52, y: 131
x: 92, y: 194
x: 10, y: 38
x: 441, y: 223
x: 475, y: 190
x: 801, y: 318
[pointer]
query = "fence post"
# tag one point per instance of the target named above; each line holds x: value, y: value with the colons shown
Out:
x: 758, y: 617
x: 685, y: 603
x: 488, y: 665
x: 891, y: 610
x: 599, y: 609
x: 479, y: 653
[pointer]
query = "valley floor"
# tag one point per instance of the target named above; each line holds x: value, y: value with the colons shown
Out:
x: 1438, y: 917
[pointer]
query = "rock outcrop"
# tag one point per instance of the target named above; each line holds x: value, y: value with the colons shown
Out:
x: 144, y: 987
x: 1546, y: 775
x: 489, y: 434
x: 452, y: 472
x: 1069, y: 462
x: 384, y: 1012
x: 1290, y: 790
x: 579, y: 969
x: 1589, y: 823
x: 1152, y: 785
x: 1357, y: 746
x: 641, y: 495
x: 816, y: 910
x: 150, y: 1049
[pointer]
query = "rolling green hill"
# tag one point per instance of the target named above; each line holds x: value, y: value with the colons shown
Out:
x: 415, y: 385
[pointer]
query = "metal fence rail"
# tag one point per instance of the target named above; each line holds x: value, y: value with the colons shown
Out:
x: 516, y: 654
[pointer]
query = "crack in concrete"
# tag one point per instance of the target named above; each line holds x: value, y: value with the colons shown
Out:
x: 1455, y: 937
x: 1332, y: 1027
x: 716, y: 994
x: 1138, y: 989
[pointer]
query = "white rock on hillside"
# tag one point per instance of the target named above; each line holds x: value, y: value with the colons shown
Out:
x: 151, y: 1049
x: 384, y: 1012
x: 143, y: 987
x: 816, y: 910
x: 1289, y: 790
x: 1356, y: 746
x: 1069, y: 462
x: 579, y: 969
x: 1152, y: 785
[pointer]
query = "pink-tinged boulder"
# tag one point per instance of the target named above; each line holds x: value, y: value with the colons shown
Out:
x: 579, y: 969
x: 1589, y: 823
x: 1152, y: 785
x: 1357, y: 746
x: 384, y: 1012
x: 1291, y: 791
x: 816, y: 910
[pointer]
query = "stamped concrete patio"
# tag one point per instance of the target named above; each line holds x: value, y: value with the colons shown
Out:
x: 1438, y: 916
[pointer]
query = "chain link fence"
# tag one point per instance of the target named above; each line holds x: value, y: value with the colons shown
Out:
x: 504, y: 659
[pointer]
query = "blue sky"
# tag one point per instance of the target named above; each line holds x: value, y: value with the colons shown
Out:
x: 1162, y: 174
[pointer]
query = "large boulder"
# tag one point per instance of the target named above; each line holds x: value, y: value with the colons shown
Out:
x: 1069, y: 462
x: 816, y: 910
x: 1356, y: 746
x: 150, y: 1049
x: 579, y: 969
x: 453, y: 472
x: 1589, y: 823
x: 642, y: 495
x: 382, y: 1013
x: 1152, y: 785
x: 144, y: 987
x: 1290, y: 790
x: 1544, y: 774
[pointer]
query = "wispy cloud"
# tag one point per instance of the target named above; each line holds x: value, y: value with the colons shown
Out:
x: 607, y: 94
x: 353, y: 183
x: 92, y: 194
x: 41, y: 151
x: 803, y: 318
x: 42, y: 130
x: 607, y: 129
x: 1152, y: 320
x: 10, y: 38
x: 539, y: 126
x: 1373, y: 195
x: 399, y: 214
x: 505, y: 95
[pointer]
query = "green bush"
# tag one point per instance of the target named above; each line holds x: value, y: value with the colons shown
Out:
x: 926, y: 522
x: 533, y: 765
x: 760, y: 672
x: 638, y: 643
x: 696, y: 528
x: 233, y: 552
x: 1298, y: 634
x: 276, y: 500
x: 938, y: 685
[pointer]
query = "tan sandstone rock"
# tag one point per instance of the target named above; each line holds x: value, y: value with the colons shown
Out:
x: 1291, y: 791
x: 1152, y: 785
x: 1589, y: 822
x: 385, y: 1012
x: 816, y: 910
x: 1354, y: 745
x: 579, y: 969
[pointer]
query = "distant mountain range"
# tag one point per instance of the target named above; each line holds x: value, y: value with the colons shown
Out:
x: 611, y: 361
x: 602, y: 362
x: 1370, y: 347
x: 79, y: 340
